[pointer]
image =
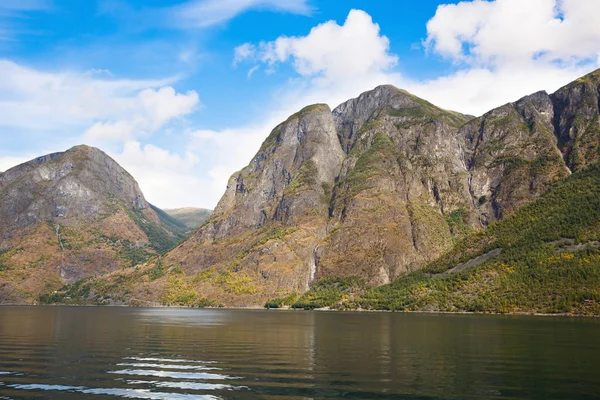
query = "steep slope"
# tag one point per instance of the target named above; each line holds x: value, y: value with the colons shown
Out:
x: 69, y: 215
x: 402, y: 179
x: 382, y: 185
x: 512, y: 156
x: 576, y: 120
x: 262, y: 235
x: 544, y: 258
x: 191, y: 217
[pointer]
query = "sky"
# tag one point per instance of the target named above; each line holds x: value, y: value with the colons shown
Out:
x: 182, y: 93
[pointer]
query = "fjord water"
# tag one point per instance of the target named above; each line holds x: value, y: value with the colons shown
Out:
x: 104, y: 353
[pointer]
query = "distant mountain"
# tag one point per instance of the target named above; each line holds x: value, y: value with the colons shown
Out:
x: 191, y: 217
x: 338, y: 202
x: 70, y: 215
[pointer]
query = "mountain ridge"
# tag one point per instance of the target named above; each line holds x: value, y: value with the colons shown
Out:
x: 379, y: 187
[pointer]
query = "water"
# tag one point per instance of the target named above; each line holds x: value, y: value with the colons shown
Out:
x: 112, y: 353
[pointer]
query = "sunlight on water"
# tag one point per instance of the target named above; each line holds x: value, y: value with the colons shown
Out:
x: 146, y: 394
x: 125, y: 393
x: 167, y: 366
x: 74, y: 353
x: 170, y: 374
x: 187, y: 385
x: 170, y: 360
x: 159, y: 370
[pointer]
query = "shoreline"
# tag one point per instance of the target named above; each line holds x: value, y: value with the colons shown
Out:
x: 323, y: 310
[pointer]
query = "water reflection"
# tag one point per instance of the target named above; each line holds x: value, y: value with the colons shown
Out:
x: 75, y: 353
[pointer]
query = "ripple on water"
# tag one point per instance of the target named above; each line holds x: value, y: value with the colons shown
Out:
x: 172, y: 374
x: 125, y: 393
x: 152, y: 366
x: 169, y: 360
x: 188, y: 385
x: 168, y: 366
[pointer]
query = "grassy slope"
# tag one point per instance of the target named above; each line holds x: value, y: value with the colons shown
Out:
x: 531, y: 274
x: 191, y: 217
x: 164, y: 236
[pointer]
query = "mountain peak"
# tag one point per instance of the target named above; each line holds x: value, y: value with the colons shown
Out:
x: 74, y: 214
x: 82, y: 182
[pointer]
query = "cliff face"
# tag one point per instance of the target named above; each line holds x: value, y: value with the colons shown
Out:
x: 512, y: 156
x: 403, y: 175
x: 576, y: 120
x: 262, y: 236
x: 382, y: 185
x: 66, y: 216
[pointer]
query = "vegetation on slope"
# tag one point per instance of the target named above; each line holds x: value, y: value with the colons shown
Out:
x: 535, y: 272
x: 191, y: 217
x: 163, y: 237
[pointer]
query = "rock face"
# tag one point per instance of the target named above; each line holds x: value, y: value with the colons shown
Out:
x: 262, y: 236
x: 382, y: 185
x: 66, y: 216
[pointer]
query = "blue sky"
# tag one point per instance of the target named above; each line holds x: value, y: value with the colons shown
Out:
x: 182, y: 93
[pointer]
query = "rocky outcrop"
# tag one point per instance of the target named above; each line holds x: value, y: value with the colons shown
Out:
x: 67, y: 216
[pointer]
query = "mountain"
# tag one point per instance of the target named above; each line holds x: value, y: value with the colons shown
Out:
x: 191, y: 217
x: 544, y: 258
x: 67, y: 216
x: 372, y: 192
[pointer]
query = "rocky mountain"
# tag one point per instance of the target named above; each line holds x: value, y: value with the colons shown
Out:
x: 543, y: 258
x: 70, y: 215
x: 191, y: 217
x: 383, y: 185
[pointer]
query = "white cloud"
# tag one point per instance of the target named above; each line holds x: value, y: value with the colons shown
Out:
x: 243, y: 52
x: 8, y: 162
x: 252, y: 70
x: 510, y: 31
x: 33, y: 99
x: 503, y: 50
x: 166, y: 179
x: 165, y: 104
x: 106, y: 108
x: 226, y: 151
x: 13, y: 13
x: 204, y: 13
x: 110, y: 131
x: 506, y: 49
x: 333, y: 52
x: 478, y: 90
x: 155, y: 109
